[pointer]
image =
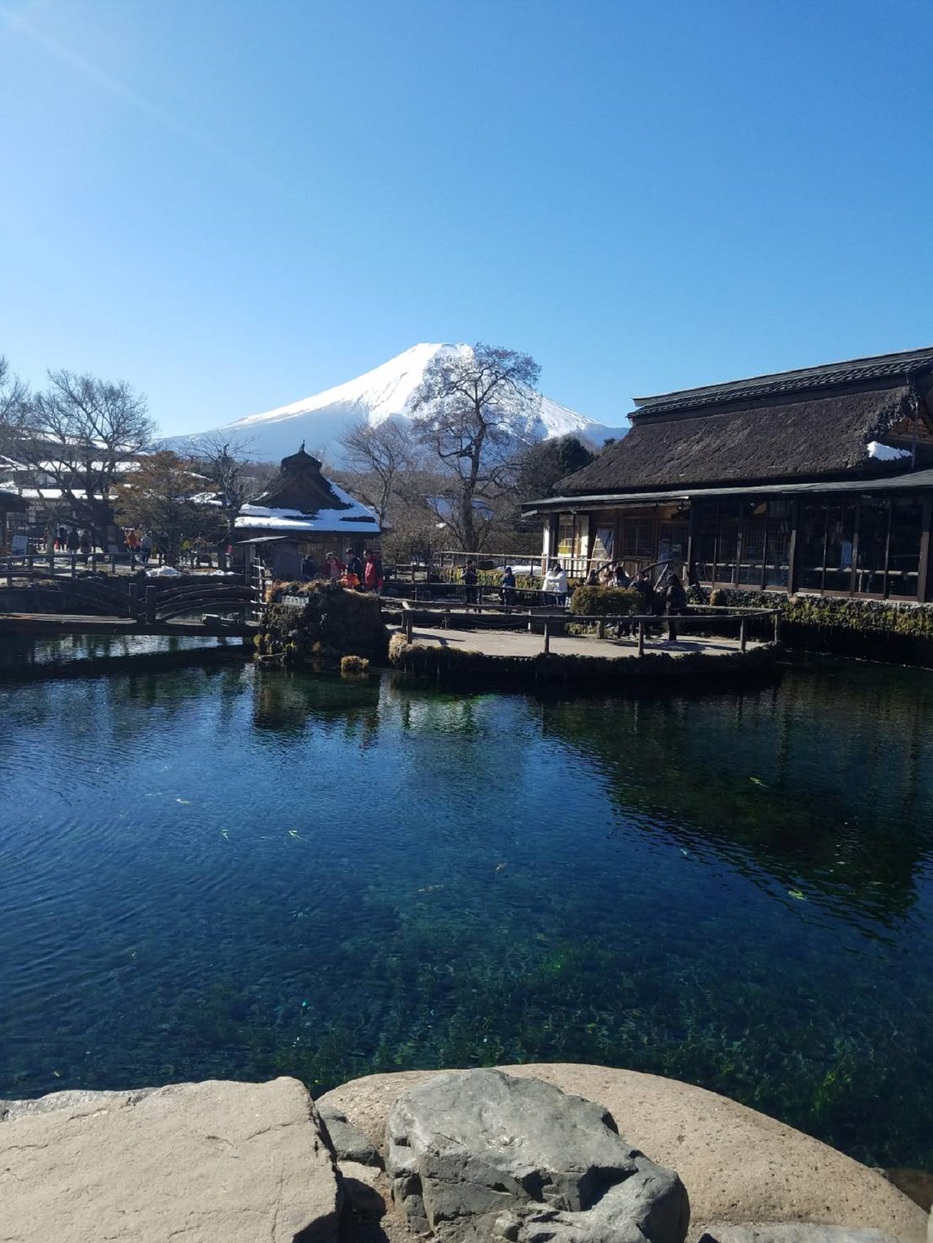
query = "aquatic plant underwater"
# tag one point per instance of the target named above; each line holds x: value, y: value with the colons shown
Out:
x: 241, y: 872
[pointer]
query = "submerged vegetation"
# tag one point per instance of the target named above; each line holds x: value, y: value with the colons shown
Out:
x: 347, y: 875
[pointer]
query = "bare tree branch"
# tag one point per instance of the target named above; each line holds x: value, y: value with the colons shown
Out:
x: 475, y: 412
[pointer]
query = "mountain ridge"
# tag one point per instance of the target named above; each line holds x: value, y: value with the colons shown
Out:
x: 381, y: 393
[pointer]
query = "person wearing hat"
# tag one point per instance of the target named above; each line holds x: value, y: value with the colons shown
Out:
x: 508, y: 587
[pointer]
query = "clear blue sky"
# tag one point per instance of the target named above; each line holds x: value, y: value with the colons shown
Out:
x: 233, y: 204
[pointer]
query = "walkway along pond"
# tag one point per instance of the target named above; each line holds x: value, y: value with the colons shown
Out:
x: 240, y: 872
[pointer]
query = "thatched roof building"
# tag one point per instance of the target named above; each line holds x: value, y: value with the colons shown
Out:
x: 304, y: 513
x: 833, y: 463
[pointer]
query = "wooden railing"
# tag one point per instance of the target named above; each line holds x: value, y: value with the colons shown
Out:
x: 553, y: 622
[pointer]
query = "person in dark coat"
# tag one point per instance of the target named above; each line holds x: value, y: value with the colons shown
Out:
x: 469, y: 578
x: 72, y: 540
x: 354, y: 566
x: 508, y: 587
x: 676, y: 603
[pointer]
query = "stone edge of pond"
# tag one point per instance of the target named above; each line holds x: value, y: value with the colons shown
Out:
x: 739, y: 1166
x: 240, y: 1161
x: 429, y: 660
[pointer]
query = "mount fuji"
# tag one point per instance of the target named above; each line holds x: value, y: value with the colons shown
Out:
x: 382, y: 393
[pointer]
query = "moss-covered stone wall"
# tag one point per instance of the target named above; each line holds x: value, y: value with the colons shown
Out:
x: 319, y: 623
x: 871, y: 629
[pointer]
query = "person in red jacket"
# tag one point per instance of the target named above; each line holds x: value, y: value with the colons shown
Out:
x: 372, y: 572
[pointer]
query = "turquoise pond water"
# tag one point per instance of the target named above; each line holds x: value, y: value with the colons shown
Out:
x: 237, y: 872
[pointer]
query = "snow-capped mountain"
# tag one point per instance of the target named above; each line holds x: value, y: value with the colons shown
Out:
x: 375, y: 396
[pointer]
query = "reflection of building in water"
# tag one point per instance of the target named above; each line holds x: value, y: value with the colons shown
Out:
x: 302, y: 514
x: 813, y: 480
x: 824, y: 781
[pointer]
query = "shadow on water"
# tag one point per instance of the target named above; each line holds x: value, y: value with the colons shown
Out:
x: 243, y: 872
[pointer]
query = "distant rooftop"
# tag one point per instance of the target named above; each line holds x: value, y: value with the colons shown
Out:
x: 828, y: 375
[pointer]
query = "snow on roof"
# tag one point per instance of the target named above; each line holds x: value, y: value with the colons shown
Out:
x: 885, y: 453
x: 355, y: 518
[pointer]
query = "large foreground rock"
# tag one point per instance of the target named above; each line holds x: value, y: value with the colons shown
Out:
x: 482, y: 1155
x: 738, y: 1165
x: 208, y: 1162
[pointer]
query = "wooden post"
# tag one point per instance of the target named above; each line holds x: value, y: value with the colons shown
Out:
x: 742, y: 634
x: 151, y: 593
x: 94, y: 561
x: 925, y: 575
x: 52, y: 560
x: 601, y: 628
x: 777, y: 627
x: 74, y: 565
x: 409, y: 625
x: 547, y: 635
x: 133, y: 600
x: 641, y: 637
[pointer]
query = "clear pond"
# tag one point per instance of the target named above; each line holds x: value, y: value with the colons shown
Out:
x: 240, y: 873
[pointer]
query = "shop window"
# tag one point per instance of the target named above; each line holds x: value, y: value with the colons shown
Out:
x: 872, y: 548
x: 904, y: 546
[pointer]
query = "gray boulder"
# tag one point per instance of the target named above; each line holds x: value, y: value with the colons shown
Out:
x: 349, y: 1144
x: 482, y: 1155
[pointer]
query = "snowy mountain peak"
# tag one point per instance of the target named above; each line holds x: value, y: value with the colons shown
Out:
x: 382, y: 393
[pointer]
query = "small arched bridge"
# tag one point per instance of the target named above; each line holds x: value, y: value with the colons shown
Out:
x: 35, y: 601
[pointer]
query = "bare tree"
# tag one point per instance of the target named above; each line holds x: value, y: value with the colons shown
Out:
x: 376, y: 457
x: 84, y: 433
x: 223, y: 461
x: 14, y: 395
x: 475, y: 412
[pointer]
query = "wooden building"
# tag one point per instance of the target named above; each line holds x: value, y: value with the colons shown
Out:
x: 814, y: 480
x: 303, y: 513
x: 10, y: 503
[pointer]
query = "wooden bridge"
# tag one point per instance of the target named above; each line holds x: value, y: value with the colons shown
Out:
x: 86, y: 602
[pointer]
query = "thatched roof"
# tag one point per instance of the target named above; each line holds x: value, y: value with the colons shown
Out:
x: 300, y: 502
x: 816, y: 423
x: 300, y: 487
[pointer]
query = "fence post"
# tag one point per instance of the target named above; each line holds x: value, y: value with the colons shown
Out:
x: 52, y: 560
x: 742, y: 635
x: 133, y: 600
x: 777, y: 626
x: 547, y: 636
x: 641, y: 638
x: 409, y: 625
x: 74, y: 565
x: 151, y: 593
x: 601, y: 628
x: 94, y: 561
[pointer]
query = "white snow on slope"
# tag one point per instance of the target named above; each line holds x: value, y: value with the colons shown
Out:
x: 374, y: 397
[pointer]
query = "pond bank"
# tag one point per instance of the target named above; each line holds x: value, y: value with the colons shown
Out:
x: 147, y: 1163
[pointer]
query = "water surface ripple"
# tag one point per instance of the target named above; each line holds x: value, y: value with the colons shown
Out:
x: 234, y: 872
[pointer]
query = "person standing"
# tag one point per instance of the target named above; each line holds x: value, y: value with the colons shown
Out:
x: 556, y: 585
x: 73, y: 541
x: 469, y: 578
x: 354, y: 566
x: 676, y: 603
x: 372, y: 571
x: 508, y: 587
x: 85, y: 546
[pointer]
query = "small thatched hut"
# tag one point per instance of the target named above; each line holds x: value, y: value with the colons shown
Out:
x: 819, y: 479
x: 304, y: 514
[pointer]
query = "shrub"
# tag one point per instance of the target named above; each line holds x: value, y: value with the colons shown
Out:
x: 606, y: 601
